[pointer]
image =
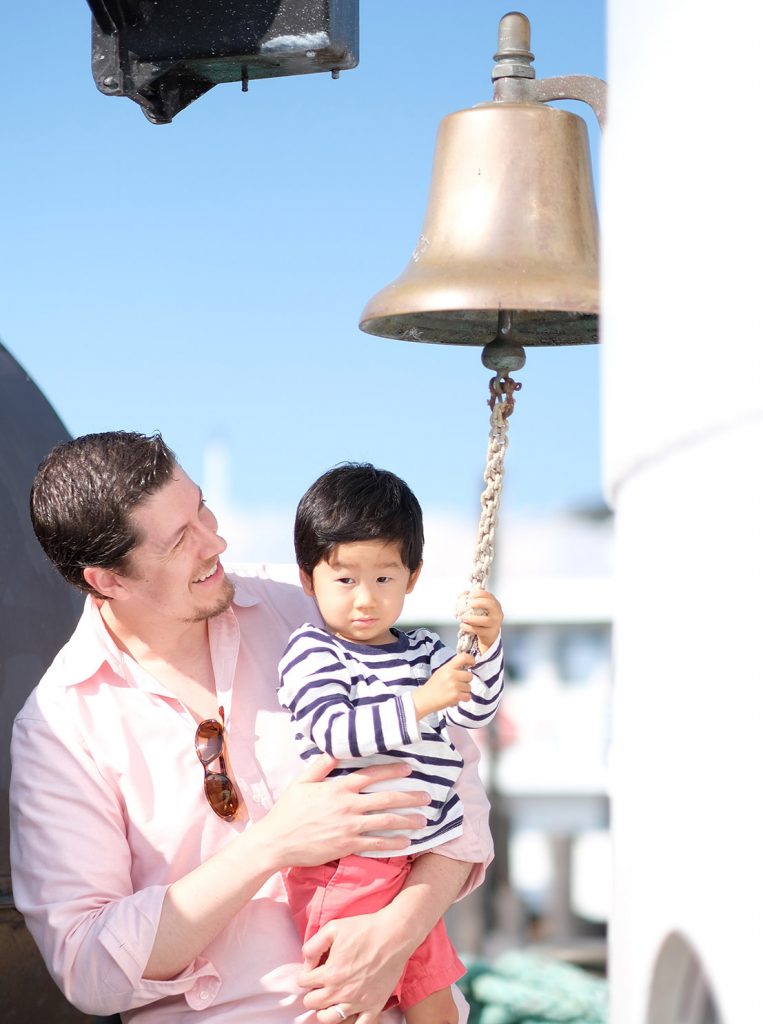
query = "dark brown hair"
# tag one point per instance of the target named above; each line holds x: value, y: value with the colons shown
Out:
x: 84, y: 492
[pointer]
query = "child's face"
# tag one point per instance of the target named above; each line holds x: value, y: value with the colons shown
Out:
x: 360, y: 590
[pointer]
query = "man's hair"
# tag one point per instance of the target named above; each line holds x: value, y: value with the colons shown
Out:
x: 84, y: 493
x: 354, y: 502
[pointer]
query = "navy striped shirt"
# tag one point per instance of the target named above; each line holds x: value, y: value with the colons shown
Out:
x: 355, y: 702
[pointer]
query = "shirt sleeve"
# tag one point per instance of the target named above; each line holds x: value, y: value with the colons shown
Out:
x: 70, y: 862
x: 487, y: 687
x: 316, y: 687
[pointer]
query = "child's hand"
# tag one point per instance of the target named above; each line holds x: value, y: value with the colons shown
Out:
x: 446, y: 687
x: 483, y: 617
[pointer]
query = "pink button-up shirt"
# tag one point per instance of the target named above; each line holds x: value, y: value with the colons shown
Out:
x: 107, y: 809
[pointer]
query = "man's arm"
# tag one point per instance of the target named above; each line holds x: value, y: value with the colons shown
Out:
x: 475, y: 844
x: 113, y: 948
x: 315, y: 820
x: 366, y: 955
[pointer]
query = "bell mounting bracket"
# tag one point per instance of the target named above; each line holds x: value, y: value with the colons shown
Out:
x: 514, y: 75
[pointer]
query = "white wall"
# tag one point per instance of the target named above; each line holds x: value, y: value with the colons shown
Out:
x: 683, y: 421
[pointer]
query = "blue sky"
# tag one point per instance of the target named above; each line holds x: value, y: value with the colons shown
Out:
x: 205, y: 278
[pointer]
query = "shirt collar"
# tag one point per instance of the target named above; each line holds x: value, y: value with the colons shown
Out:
x: 91, y: 644
x: 89, y: 647
x: 246, y: 590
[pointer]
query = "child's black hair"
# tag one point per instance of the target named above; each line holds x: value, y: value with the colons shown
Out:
x: 353, y: 502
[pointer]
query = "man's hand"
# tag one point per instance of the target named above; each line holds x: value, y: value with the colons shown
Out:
x: 446, y: 687
x: 319, y: 819
x: 483, y: 616
x: 365, y: 958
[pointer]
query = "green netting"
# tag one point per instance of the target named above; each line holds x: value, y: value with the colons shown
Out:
x: 524, y: 988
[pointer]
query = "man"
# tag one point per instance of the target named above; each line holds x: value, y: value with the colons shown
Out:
x: 153, y: 798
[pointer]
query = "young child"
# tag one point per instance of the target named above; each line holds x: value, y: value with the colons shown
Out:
x: 367, y: 693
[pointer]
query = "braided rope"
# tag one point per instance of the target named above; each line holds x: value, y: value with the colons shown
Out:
x: 501, y: 403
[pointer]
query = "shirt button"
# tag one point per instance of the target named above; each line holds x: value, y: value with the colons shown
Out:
x: 204, y: 995
x: 256, y: 798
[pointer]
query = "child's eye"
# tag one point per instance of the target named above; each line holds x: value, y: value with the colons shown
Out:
x: 345, y: 579
x: 383, y: 579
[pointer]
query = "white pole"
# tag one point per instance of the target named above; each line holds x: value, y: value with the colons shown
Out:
x: 683, y: 419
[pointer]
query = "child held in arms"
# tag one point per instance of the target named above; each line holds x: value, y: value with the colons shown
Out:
x: 367, y: 693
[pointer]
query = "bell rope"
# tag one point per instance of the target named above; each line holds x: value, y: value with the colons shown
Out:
x: 501, y: 403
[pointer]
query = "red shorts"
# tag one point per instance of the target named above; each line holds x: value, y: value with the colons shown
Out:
x: 362, y: 885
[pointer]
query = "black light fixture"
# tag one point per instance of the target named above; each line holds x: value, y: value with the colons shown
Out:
x: 164, y: 54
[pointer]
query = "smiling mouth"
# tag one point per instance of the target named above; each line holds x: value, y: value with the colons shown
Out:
x: 207, y: 575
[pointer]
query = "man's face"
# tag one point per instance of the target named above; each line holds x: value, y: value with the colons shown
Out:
x: 174, y: 572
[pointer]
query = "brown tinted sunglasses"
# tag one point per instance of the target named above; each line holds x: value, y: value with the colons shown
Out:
x: 219, y: 788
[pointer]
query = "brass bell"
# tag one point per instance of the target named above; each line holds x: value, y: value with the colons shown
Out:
x: 509, y: 247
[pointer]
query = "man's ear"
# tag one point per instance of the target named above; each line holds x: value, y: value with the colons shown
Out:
x: 105, y: 582
x: 414, y: 578
x: 307, y: 582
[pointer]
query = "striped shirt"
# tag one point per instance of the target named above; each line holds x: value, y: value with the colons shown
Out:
x: 355, y: 702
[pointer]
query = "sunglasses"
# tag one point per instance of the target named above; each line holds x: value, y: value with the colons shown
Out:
x: 219, y: 788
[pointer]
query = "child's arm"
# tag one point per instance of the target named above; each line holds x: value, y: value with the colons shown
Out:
x: 468, y: 690
x: 486, y: 691
x: 316, y: 688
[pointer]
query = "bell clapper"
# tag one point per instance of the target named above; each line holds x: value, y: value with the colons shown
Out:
x: 504, y: 352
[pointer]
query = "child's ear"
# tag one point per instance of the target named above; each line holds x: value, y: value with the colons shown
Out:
x: 414, y: 578
x: 307, y: 582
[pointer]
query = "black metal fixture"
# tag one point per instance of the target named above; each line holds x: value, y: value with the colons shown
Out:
x: 164, y: 54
